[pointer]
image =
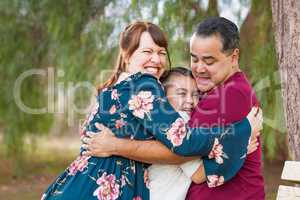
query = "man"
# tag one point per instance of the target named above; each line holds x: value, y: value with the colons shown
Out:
x: 228, y: 98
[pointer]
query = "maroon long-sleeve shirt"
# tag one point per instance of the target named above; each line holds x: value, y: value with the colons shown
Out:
x: 228, y: 103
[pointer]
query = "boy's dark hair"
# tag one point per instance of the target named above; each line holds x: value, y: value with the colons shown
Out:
x: 222, y: 27
x: 175, y: 71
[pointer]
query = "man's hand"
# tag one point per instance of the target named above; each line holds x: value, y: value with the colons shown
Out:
x: 253, y: 144
x: 255, y: 118
x: 101, y: 144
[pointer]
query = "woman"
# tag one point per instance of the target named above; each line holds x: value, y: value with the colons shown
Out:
x: 132, y: 103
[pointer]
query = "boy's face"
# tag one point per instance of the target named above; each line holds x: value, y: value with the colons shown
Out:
x: 210, y: 66
x: 182, y: 93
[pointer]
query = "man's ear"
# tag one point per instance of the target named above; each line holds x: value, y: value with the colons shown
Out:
x: 235, y: 56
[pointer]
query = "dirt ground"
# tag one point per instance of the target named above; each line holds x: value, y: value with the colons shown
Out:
x: 49, y: 161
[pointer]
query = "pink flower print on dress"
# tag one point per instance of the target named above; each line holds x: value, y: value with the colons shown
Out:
x: 108, y: 188
x: 141, y: 104
x: 137, y: 198
x: 123, y: 180
x: 177, y: 132
x: 78, y: 165
x: 84, y: 124
x: 215, y: 180
x: 113, y: 110
x: 114, y: 94
x: 93, y: 112
x: 82, y: 132
x: 120, y: 123
x: 217, y: 152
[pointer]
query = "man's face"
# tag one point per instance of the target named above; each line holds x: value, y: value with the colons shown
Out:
x: 210, y: 66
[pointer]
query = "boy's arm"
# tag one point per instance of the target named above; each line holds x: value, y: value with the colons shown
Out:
x: 194, y: 170
x: 199, y: 176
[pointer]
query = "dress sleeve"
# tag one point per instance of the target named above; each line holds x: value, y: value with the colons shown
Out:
x: 223, y: 148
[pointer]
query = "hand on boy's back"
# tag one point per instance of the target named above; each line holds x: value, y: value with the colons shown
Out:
x: 101, y: 144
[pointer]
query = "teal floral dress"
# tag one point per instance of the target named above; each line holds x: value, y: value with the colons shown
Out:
x: 137, y: 108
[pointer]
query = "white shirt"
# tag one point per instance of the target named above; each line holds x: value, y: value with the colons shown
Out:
x: 171, y: 182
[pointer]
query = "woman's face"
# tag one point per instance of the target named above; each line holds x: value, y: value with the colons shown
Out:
x: 148, y: 57
x: 182, y: 93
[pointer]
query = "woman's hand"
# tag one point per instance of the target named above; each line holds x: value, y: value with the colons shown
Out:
x: 101, y: 144
x: 255, y: 118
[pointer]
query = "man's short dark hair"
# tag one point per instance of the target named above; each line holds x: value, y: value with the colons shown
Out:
x: 222, y: 27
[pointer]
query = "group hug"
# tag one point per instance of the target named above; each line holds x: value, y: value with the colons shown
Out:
x: 157, y: 132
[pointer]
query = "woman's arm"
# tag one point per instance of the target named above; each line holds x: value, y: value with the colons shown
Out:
x: 148, y: 151
x: 151, y: 151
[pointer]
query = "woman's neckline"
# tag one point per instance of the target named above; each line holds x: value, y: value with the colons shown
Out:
x: 123, y: 76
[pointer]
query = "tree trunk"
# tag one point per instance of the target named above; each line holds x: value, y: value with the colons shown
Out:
x: 212, y: 9
x: 286, y: 20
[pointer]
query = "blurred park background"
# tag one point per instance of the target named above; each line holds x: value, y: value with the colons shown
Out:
x: 53, y: 52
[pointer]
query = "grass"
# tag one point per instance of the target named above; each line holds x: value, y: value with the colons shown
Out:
x: 34, y: 179
x: 39, y: 168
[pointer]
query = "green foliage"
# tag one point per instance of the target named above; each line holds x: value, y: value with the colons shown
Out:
x: 22, y: 48
x: 36, y: 35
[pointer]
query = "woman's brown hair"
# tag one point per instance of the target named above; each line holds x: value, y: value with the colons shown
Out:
x: 129, y: 42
